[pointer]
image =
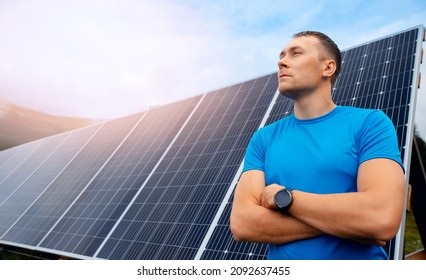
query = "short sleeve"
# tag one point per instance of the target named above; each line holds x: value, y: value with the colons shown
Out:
x: 378, y: 139
x: 255, y: 153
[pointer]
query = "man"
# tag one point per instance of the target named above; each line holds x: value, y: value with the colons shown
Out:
x: 326, y: 182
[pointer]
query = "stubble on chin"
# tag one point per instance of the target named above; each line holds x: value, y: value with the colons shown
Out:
x: 289, y: 93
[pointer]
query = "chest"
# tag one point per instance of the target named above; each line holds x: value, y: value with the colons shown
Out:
x: 316, y: 158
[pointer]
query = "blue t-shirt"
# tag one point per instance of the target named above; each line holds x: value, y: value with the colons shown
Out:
x: 322, y: 155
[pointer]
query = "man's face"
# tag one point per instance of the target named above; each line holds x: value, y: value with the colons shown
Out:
x: 300, y: 67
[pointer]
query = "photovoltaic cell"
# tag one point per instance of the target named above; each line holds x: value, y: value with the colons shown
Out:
x: 15, y: 157
x: 222, y: 246
x: 50, y: 206
x: 376, y: 75
x: 173, y: 212
x: 85, y: 225
x: 39, y: 179
x: 386, y: 83
x: 12, y: 182
x: 6, y: 155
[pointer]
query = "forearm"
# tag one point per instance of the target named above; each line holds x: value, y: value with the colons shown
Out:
x: 251, y: 221
x: 351, y: 215
x: 260, y: 224
x: 372, y: 214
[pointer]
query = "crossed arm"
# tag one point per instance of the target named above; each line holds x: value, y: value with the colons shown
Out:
x: 372, y: 214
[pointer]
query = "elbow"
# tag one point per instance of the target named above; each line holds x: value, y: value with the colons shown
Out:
x: 389, y: 231
x: 237, y: 234
x: 384, y: 234
x: 236, y: 231
x: 387, y: 227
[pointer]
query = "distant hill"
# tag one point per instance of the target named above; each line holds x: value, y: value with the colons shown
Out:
x: 19, y: 125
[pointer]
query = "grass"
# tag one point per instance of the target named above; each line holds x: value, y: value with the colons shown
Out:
x: 13, y: 253
x: 412, y: 241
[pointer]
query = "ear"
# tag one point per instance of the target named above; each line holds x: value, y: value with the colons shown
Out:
x: 329, y: 68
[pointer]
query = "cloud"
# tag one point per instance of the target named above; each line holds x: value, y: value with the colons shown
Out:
x: 134, y: 54
x: 105, y: 59
x: 122, y: 56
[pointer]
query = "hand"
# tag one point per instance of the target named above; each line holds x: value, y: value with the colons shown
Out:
x: 372, y: 241
x: 267, y: 198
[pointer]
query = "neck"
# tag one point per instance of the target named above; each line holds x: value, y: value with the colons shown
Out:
x: 314, y: 104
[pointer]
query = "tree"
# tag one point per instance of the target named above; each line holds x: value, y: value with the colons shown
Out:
x: 422, y: 147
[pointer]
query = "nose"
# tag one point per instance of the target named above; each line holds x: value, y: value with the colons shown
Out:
x: 282, y: 63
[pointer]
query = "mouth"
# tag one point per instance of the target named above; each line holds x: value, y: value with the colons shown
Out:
x: 283, y: 75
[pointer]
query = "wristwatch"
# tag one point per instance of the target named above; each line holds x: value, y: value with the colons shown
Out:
x: 283, y: 200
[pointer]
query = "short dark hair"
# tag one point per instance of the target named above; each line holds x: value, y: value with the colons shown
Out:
x: 330, y: 47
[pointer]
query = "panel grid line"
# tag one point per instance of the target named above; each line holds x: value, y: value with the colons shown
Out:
x: 147, y: 179
x: 22, y: 152
x: 61, y: 192
x: 47, y: 187
x: 231, y: 187
x: 90, y: 181
x: 203, y: 146
x: 34, y: 170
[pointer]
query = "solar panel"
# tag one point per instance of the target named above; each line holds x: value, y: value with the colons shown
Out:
x: 37, y: 179
x: 15, y: 178
x: 39, y: 218
x: 85, y: 225
x: 15, y: 157
x: 6, y: 155
x: 171, y: 215
x: 159, y: 184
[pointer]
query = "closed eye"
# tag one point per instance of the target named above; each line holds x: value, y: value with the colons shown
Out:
x: 293, y: 51
x: 297, y: 53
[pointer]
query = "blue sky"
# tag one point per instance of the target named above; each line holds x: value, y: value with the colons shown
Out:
x: 110, y: 58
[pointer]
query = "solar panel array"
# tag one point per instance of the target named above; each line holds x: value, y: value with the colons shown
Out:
x: 159, y: 184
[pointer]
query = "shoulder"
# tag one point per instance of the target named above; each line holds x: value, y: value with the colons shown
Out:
x: 263, y: 136
x: 374, y: 118
x: 363, y: 117
x: 359, y: 112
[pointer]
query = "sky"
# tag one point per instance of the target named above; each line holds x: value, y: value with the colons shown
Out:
x: 104, y: 59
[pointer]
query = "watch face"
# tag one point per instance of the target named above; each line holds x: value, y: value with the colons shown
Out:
x: 283, y: 199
